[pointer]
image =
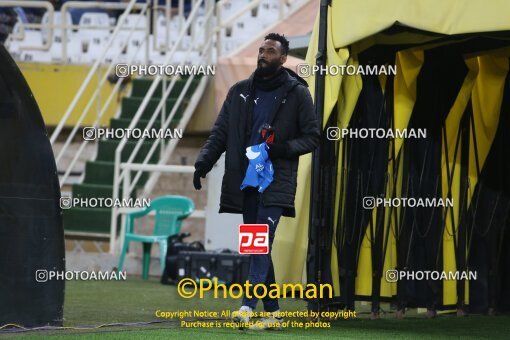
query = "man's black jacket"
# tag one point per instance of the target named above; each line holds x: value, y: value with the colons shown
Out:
x: 295, y: 126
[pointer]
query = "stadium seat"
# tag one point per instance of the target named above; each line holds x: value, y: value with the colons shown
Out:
x: 229, y: 39
x: 242, y: 31
x: 86, y: 43
x: 198, y: 35
x: 35, y: 56
x: 93, y: 40
x: 170, y: 212
x: 74, y: 52
x: 138, y: 22
x: 57, y: 21
x: 267, y: 13
x: 231, y: 7
x: 31, y: 38
x: 173, y: 31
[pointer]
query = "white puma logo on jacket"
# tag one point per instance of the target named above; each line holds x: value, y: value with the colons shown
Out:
x: 244, y: 97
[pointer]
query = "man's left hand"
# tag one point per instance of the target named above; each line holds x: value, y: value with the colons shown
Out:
x: 276, y: 151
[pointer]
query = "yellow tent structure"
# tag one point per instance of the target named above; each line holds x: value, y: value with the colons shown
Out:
x: 444, y: 196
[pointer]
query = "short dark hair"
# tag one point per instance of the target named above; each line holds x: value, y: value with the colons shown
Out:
x: 281, y: 38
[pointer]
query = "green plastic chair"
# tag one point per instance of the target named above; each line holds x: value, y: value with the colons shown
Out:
x: 170, y: 212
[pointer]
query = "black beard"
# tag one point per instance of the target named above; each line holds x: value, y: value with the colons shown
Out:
x: 268, y: 70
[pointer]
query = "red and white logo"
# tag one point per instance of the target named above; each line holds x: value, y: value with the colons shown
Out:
x: 253, y: 239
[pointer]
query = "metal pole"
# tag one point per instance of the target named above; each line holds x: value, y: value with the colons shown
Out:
x: 316, y: 221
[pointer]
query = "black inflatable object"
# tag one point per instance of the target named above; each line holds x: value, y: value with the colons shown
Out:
x: 31, y: 230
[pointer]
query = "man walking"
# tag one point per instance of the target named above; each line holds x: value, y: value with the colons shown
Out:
x: 274, y: 106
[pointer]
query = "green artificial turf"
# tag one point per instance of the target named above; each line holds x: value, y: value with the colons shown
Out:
x: 90, y: 303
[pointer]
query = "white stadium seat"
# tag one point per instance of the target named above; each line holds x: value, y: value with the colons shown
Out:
x: 128, y: 39
x: 85, y: 44
x: 31, y: 37
x: 57, y: 22
x: 267, y: 13
x: 93, y: 32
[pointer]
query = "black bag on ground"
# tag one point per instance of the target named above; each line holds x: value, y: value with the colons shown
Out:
x: 224, y: 265
x: 175, y: 246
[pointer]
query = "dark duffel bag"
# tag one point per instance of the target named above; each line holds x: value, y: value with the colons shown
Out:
x: 226, y: 266
x: 175, y: 246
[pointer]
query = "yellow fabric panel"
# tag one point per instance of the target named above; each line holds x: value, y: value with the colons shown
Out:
x: 452, y: 126
x: 409, y: 64
x: 364, y: 278
x: 486, y: 100
x: 332, y: 83
x: 291, y: 240
x: 334, y: 87
x: 390, y: 259
x: 382, y: 81
x: 484, y: 84
x: 365, y: 273
x: 334, y: 248
x: 363, y: 286
x: 334, y: 265
x: 289, y: 252
x: 349, y: 92
x: 452, y: 122
x: 356, y: 20
x: 394, y: 39
x: 449, y: 262
x: 445, y: 17
x: 396, y: 217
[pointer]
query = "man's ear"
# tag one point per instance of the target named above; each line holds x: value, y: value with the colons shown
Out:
x: 283, y: 59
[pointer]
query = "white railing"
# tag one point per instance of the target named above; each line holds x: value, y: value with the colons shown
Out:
x: 128, y: 7
x: 120, y: 172
x: 224, y: 21
x: 101, y: 109
x: 213, y: 28
x: 96, y: 94
x: 51, y: 26
x: 33, y: 4
x: 168, y: 14
x: 285, y: 8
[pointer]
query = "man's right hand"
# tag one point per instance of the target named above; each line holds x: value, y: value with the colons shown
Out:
x: 199, y: 172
